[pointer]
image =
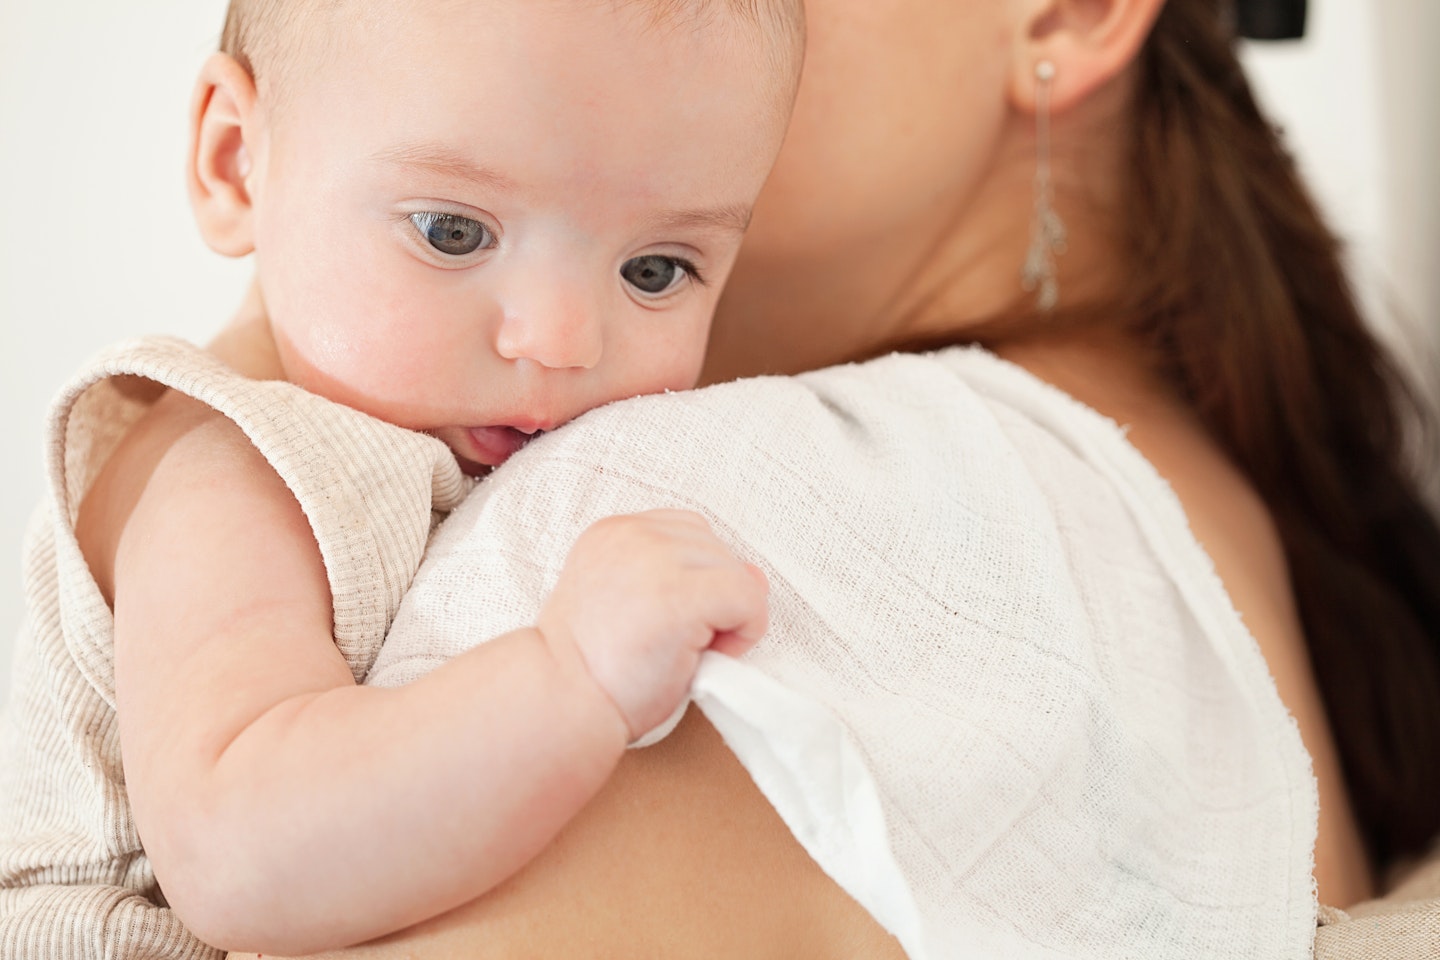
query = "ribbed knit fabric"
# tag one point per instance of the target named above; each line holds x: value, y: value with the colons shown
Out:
x: 74, y: 881
x: 1402, y: 925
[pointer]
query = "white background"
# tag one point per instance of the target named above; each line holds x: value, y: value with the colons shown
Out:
x: 97, y: 244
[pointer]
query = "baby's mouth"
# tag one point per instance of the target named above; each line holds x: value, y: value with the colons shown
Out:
x: 492, y: 446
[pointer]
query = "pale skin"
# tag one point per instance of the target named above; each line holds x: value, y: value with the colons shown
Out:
x: 283, y: 807
x: 899, y: 206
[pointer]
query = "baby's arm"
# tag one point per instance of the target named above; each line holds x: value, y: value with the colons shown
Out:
x: 287, y: 810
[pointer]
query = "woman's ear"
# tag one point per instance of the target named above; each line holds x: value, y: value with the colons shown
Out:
x: 222, y: 122
x: 1088, y: 42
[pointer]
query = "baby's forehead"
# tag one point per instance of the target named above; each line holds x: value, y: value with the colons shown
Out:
x: 575, y: 115
x: 276, y: 40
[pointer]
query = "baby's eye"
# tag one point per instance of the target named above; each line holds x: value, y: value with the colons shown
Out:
x: 653, y: 274
x: 450, y: 234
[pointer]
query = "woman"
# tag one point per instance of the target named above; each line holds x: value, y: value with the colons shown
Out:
x: 1200, y: 302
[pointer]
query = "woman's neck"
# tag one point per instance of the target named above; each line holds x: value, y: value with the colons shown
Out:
x: 954, y: 266
x: 1103, y: 368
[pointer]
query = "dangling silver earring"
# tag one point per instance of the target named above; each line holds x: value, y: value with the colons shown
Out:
x: 1047, y: 230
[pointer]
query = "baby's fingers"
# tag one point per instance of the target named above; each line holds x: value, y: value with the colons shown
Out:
x: 749, y: 616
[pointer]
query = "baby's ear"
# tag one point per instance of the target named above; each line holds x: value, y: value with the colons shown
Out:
x: 222, y: 121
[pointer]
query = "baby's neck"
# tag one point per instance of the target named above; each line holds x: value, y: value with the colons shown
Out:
x: 246, y: 344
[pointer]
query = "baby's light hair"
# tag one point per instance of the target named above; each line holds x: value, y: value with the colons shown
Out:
x: 262, y: 35
x: 782, y: 21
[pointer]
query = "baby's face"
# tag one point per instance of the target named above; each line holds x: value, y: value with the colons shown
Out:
x: 483, y: 219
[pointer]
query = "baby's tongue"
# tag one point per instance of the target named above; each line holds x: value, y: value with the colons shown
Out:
x: 495, y: 445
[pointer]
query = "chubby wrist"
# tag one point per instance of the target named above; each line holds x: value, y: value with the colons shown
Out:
x: 583, y: 693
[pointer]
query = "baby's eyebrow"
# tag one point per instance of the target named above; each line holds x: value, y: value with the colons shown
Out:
x: 730, y: 218
x: 437, y: 158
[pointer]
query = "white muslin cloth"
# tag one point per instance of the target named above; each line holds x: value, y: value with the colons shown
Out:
x: 1004, y: 700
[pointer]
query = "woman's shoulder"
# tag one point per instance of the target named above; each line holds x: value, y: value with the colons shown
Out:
x: 933, y: 450
x: 876, y: 443
x: 941, y: 439
x: 895, y: 466
x: 964, y: 389
x: 910, y: 467
x: 881, y: 414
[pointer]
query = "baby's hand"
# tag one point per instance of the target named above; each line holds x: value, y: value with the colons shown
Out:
x: 641, y: 597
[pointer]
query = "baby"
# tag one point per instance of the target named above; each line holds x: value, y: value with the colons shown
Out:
x: 472, y: 222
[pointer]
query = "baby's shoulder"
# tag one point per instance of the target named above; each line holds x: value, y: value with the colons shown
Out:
x: 178, y: 449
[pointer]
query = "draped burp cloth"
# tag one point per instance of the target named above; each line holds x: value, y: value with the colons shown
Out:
x: 1004, y: 700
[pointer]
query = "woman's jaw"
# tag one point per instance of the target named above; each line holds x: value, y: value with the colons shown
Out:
x: 900, y: 208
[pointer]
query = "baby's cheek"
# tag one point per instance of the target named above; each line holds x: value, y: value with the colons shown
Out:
x: 689, y: 354
x: 350, y: 362
x: 656, y: 367
x: 678, y: 350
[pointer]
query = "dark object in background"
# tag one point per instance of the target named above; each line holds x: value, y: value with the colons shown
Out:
x: 1270, y: 19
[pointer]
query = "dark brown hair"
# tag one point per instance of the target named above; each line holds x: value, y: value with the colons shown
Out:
x: 1238, y: 285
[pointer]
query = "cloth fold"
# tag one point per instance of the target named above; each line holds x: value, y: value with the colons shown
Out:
x: 1004, y: 701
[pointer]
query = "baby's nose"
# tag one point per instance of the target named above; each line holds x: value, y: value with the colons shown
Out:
x: 553, y: 331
